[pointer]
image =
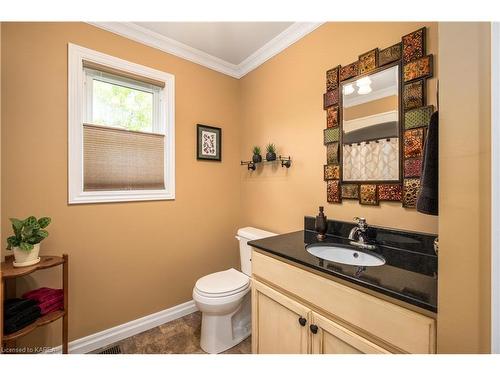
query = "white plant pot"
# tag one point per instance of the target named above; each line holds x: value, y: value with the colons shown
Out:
x: 25, y: 258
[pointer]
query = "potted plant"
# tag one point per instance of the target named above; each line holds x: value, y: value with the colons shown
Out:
x: 25, y: 242
x: 257, y: 157
x: 271, y: 152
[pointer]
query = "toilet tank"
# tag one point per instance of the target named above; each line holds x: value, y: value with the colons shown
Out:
x: 249, y: 234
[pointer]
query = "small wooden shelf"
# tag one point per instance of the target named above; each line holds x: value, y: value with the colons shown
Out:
x: 8, y: 290
x: 285, y: 162
x: 9, y: 271
x: 45, y: 319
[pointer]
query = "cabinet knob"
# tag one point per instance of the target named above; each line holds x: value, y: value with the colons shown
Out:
x: 302, y: 321
x: 313, y: 328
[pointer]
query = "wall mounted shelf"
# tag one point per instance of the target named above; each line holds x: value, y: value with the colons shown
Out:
x: 285, y: 162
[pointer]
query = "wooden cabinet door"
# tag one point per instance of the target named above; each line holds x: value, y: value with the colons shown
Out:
x: 329, y: 337
x: 280, y: 325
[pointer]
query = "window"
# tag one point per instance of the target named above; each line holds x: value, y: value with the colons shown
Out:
x: 121, y: 130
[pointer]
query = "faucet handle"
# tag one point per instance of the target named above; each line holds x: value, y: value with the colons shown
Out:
x: 361, y: 221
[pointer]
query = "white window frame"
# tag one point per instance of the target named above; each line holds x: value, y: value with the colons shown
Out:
x: 77, y: 96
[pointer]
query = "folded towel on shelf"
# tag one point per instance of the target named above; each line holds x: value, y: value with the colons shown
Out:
x: 14, y: 306
x: 54, y: 307
x: 21, y: 319
x: 41, y: 295
x: 38, y: 291
x: 53, y: 304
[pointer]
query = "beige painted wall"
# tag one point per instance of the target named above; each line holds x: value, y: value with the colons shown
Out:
x: 127, y: 260
x: 465, y: 196
x: 282, y: 103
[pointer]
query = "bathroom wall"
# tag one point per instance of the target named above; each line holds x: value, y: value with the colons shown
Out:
x: 465, y: 194
x: 127, y: 260
x: 282, y: 102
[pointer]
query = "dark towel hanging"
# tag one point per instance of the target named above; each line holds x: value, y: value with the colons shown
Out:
x: 427, y: 201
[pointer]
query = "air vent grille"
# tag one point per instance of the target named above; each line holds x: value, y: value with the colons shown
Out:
x: 111, y: 350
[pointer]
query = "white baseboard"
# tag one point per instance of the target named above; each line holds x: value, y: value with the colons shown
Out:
x: 109, y: 336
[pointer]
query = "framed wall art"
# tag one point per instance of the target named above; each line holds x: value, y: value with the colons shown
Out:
x: 209, y: 143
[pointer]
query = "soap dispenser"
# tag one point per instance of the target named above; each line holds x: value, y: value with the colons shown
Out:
x: 320, y: 225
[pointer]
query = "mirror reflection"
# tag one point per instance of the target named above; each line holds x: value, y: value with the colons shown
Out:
x: 370, y: 127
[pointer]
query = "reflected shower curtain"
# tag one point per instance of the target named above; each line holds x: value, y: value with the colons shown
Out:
x: 371, y: 161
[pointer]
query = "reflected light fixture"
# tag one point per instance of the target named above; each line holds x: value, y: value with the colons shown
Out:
x: 364, y: 85
x: 364, y: 90
x: 348, y: 89
x: 365, y: 81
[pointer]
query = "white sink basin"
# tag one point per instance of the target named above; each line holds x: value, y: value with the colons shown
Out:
x: 345, y: 255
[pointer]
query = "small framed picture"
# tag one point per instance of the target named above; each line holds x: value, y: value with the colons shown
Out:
x: 209, y: 143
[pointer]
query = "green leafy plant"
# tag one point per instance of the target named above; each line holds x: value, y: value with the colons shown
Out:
x: 28, y: 232
x: 256, y: 150
x: 271, y: 148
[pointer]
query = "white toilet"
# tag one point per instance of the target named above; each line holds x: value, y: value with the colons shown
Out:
x: 224, y: 299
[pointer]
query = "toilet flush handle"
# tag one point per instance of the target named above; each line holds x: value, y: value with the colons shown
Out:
x: 237, y: 237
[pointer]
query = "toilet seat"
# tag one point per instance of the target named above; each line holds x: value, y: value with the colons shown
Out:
x: 222, y: 284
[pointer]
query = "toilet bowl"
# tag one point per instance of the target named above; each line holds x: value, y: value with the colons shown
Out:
x: 224, y: 300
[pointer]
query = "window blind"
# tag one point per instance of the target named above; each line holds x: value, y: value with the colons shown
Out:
x: 117, y: 159
x: 103, y: 68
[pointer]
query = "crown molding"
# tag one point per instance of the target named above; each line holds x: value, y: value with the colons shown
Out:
x: 279, y: 43
x: 153, y: 39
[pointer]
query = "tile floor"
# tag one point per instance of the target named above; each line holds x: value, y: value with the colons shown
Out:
x: 180, y: 336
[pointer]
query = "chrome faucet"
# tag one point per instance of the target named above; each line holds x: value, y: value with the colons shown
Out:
x: 360, y: 232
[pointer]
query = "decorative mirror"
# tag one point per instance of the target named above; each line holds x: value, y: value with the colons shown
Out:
x: 370, y: 108
x: 376, y: 122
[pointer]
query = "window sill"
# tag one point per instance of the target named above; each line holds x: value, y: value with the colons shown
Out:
x: 121, y: 196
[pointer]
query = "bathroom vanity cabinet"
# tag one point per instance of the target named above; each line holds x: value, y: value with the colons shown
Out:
x: 297, y: 311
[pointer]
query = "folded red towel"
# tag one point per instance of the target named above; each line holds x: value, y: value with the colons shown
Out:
x: 48, y: 299
x: 43, y: 294
x: 52, y: 300
x: 46, y: 307
x: 38, y: 291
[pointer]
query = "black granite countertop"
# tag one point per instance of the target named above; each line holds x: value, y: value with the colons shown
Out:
x: 409, y: 275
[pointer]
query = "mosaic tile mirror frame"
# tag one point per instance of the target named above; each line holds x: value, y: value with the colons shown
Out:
x: 415, y: 67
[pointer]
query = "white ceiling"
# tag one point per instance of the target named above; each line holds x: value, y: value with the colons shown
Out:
x: 230, y: 41
x: 233, y: 48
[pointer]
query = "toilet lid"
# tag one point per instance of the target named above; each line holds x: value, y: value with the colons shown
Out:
x: 223, y: 283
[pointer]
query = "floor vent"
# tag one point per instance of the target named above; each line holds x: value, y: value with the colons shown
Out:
x: 111, y: 350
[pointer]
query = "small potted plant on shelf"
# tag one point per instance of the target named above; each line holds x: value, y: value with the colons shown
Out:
x: 25, y: 242
x: 257, y: 157
x: 271, y: 152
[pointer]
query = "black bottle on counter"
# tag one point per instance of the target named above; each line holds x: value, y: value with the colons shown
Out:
x: 320, y: 225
